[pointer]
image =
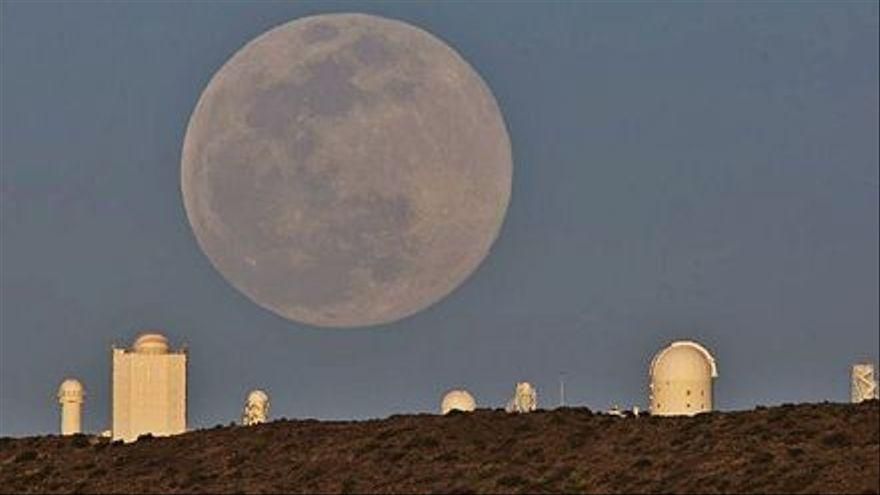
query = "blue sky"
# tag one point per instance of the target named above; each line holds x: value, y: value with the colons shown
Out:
x: 681, y: 170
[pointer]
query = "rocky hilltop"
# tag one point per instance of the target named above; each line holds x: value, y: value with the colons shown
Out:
x: 808, y: 448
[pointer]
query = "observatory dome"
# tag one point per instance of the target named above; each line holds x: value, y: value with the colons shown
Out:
x: 151, y: 343
x: 257, y: 397
x: 681, y: 379
x: 71, y: 390
x: 457, y: 400
x: 684, y: 359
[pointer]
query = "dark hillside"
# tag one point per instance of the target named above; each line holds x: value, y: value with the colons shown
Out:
x: 795, y: 448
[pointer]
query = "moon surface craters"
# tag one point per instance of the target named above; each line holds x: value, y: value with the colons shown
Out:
x: 346, y: 170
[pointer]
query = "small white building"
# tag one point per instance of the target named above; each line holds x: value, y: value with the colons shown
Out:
x: 256, y: 408
x: 525, y: 399
x: 682, y: 375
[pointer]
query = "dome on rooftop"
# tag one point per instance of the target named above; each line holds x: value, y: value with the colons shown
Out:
x: 151, y: 343
x: 683, y: 359
x: 71, y: 390
x: 257, y: 397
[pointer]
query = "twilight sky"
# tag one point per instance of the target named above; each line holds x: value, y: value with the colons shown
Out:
x: 681, y: 170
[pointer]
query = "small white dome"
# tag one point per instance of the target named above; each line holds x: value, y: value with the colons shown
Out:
x: 457, y: 400
x: 257, y: 397
x: 151, y: 343
x: 683, y: 360
x: 71, y: 390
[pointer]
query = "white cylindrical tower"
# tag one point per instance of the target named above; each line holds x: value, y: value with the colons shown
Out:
x: 681, y: 380
x: 256, y: 408
x: 457, y: 400
x: 71, y: 396
x: 864, y: 385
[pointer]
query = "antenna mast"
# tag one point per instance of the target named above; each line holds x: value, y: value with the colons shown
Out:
x: 561, y: 389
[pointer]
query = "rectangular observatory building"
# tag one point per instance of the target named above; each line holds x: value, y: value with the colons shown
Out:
x: 149, y: 389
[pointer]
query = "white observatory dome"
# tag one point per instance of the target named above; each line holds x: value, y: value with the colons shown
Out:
x: 681, y: 379
x: 151, y: 343
x: 457, y: 400
x: 257, y: 397
x: 71, y: 390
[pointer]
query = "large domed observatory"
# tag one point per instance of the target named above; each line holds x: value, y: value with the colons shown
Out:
x: 681, y: 380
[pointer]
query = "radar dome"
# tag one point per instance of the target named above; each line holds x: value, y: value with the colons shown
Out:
x: 151, y: 343
x: 457, y: 400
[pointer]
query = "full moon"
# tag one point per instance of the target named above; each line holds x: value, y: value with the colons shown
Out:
x: 346, y: 170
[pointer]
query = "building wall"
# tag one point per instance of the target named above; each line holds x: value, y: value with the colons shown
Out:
x: 71, y: 418
x: 149, y: 394
x: 681, y: 397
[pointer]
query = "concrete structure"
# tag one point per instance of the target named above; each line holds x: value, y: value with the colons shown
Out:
x: 864, y: 384
x: 457, y: 400
x: 256, y: 408
x: 615, y: 411
x: 149, y: 389
x: 681, y: 380
x: 525, y: 399
x: 71, y: 395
